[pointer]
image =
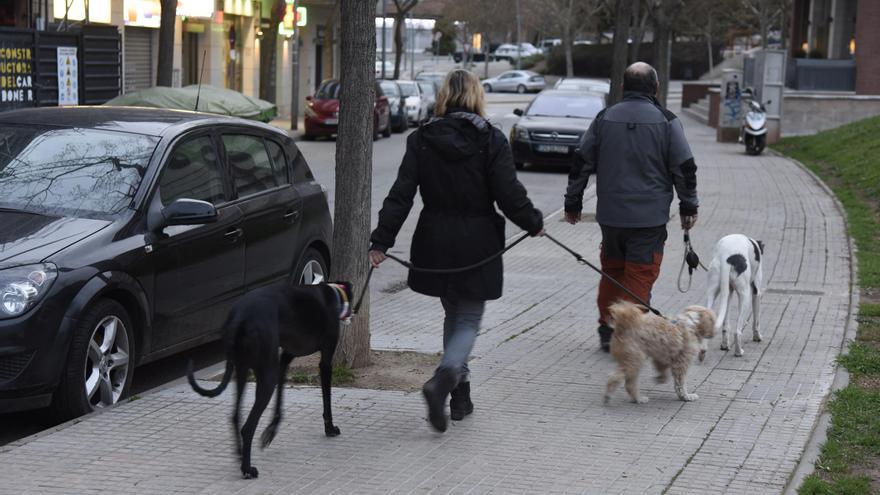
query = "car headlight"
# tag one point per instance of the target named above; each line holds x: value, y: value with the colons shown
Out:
x: 22, y: 287
x: 520, y: 133
x: 310, y: 110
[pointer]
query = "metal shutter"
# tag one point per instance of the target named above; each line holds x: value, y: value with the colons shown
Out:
x: 138, y: 58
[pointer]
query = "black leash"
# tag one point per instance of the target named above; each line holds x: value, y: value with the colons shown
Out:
x: 436, y: 271
x: 448, y: 271
x: 580, y: 259
x: 691, y: 260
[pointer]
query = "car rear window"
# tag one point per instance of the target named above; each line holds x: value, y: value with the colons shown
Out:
x: 328, y: 90
x: 574, y: 105
x: 71, y: 171
x: 389, y: 88
x: 407, y: 88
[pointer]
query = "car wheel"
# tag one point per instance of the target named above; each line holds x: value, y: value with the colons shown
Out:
x: 387, y: 131
x: 308, y: 137
x: 100, y: 362
x: 521, y: 89
x: 487, y: 88
x: 519, y: 165
x: 312, y: 269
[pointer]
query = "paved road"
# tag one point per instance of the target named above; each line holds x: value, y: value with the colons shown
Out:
x: 540, y: 425
x: 544, y: 184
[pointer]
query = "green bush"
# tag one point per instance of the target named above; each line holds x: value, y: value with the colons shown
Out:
x: 531, y: 61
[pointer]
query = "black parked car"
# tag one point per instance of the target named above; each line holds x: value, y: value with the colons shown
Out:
x: 126, y: 234
x: 551, y: 127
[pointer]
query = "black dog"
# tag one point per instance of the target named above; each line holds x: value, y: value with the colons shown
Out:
x: 301, y: 320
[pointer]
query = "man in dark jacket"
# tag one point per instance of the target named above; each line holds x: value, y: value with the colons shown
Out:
x: 639, y: 153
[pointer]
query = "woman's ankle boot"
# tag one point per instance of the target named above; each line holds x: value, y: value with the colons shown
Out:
x: 435, y: 392
x: 460, y: 404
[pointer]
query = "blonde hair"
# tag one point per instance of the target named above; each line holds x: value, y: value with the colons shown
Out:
x: 461, y: 89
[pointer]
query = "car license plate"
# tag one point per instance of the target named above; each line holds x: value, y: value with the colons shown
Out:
x: 552, y: 148
x: 333, y: 121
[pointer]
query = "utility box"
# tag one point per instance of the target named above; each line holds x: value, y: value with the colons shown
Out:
x: 730, y: 107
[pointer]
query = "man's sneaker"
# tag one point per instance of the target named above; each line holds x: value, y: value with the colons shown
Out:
x: 605, y: 337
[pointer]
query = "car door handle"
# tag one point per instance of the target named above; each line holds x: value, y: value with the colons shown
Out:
x: 233, y: 234
x: 291, y: 215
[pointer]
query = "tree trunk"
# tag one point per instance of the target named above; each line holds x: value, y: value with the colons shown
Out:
x: 166, y: 42
x: 619, y: 51
x: 566, y: 43
x: 639, y: 34
x: 661, y: 58
x: 354, y: 155
x: 486, y: 59
x: 399, y: 22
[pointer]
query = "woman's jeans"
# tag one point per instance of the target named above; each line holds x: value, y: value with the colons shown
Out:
x: 460, y: 330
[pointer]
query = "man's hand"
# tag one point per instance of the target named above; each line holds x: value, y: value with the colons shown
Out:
x: 688, y: 222
x: 376, y: 257
x: 572, y: 217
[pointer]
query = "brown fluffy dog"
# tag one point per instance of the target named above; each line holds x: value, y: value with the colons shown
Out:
x: 671, y: 345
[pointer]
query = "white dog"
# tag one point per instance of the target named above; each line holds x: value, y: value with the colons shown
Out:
x: 736, y: 266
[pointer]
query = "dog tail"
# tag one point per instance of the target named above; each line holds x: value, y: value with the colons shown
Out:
x: 231, y: 334
x: 625, y: 315
x: 227, y: 375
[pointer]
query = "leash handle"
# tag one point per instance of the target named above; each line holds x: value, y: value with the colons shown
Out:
x: 583, y: 261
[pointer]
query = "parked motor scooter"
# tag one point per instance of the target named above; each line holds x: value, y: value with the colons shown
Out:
x: 754, y: 130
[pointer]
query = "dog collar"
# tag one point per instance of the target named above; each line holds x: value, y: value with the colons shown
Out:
x: 342, y: 300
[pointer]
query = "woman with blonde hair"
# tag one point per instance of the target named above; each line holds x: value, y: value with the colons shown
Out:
x: 462, y: 167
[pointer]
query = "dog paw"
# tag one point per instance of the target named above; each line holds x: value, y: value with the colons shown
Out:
x: 332, y: 431
x: 640, y: 400
x: 756, y: 337
x: 249, y: 473
x: 661, y: 378
x: 690, y: 397
x: 738, y: 353
x: 725, y: 347
x: 702, y: 355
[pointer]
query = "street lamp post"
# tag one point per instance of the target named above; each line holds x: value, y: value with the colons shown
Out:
x: 384, y: 7
x: 294, y: 72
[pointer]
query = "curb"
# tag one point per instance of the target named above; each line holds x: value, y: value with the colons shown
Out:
x: 807, y: 463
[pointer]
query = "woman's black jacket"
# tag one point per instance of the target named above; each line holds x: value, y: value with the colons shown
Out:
x: 462, y: 166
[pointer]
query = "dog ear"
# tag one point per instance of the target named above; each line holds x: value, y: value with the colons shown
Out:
x: 761, y: 246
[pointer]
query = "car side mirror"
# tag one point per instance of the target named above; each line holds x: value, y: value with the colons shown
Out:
x: 188, y: 212
x: 518, y: 112
x: 309, y: 98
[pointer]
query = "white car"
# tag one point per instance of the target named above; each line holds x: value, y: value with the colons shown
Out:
x: 389, y: 70
x: 546, y: 45
x: 510, y: 52
x: 416, y: 104
x: 583, y: 84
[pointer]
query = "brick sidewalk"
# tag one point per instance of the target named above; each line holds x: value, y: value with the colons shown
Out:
x: 540, y: 425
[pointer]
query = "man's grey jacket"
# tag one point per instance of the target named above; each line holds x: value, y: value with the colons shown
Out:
x: 638, y: 152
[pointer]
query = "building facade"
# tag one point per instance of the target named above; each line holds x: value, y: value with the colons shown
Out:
x: 834, y: 45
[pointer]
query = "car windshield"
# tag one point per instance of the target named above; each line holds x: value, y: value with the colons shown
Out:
x: 329, y: 90
x: 71, y: 172
x: 427, y: 88
x: 556, y: 105
x: 407, y: 88
x: 582, y: 85
x: 389, y: 89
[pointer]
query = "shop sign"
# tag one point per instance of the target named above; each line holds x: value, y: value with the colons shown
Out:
x: 16, y: 75
x: 68, y: 76
x: 195, y: 8
x: 286, y: 27
x: 144, y: 13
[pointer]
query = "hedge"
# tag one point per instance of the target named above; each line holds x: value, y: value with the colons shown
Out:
x: 690, y: 60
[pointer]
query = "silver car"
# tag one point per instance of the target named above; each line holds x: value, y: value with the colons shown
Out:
x: 416, y: 106
x: 521, y: 81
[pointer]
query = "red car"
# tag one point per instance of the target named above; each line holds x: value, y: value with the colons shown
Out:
x: 322, y: 111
